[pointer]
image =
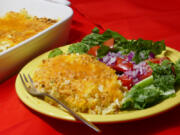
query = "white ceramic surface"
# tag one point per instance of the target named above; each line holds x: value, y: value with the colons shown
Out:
x: 14, y: 58
x: 64, y: 2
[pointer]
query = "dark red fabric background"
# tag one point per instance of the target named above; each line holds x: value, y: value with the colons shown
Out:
x: 154, y: 20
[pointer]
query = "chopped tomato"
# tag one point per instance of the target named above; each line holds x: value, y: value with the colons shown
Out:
x: 93, y: 50
x: 173, y: 70
x: 158, y: 60
x: 122, y: 65
x: 146, y: 74
x: 126, y: 81
x: 109, y: 42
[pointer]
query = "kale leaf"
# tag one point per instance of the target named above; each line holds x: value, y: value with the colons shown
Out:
x: 95, y: 30
x: 55, y: 52
x: 78, y: 48
x: 177, y: 71
x: 163, y: 75
x: 141, y: 97
x: 141, y: 55
x: 141, y: 48
x: 112, y: 34
x: 98, y: 39
x: 93, y: 39
x: 102, y: 51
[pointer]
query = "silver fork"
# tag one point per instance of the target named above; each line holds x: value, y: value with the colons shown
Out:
x: 34, y: 92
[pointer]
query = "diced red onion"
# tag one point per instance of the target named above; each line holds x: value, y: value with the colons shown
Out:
x: 130, y: 56
x: 151, y: 55
x: 110, y: 58
x: 138, y: 69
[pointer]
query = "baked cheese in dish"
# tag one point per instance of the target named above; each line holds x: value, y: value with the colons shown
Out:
x: 16, y: 27
x: 81, y: 82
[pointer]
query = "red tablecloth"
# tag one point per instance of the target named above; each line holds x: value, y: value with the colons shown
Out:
x: 132, y: 18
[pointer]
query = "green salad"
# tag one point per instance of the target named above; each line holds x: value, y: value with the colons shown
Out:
x: 149, y: 79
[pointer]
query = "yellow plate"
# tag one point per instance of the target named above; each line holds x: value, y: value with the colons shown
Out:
x: 49, y: 110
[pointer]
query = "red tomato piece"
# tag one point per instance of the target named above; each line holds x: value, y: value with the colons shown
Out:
x: 109, y: 42
x: 147, y: 74
x: 93, y: 50
x: 158, y: 60
x: 122, y: 65
x: 126, y: 81
x: 173, y: 70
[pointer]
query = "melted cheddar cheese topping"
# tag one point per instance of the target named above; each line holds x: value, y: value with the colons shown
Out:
x: 82, y: 82
x: 16, y: 27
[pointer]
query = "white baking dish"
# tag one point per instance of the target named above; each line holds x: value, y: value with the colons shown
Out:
x: 14, y: 58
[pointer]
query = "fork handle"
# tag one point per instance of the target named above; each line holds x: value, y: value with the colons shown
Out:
x: 77, y: 116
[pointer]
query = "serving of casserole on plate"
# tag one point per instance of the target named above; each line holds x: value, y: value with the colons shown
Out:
x: 78, y: 80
